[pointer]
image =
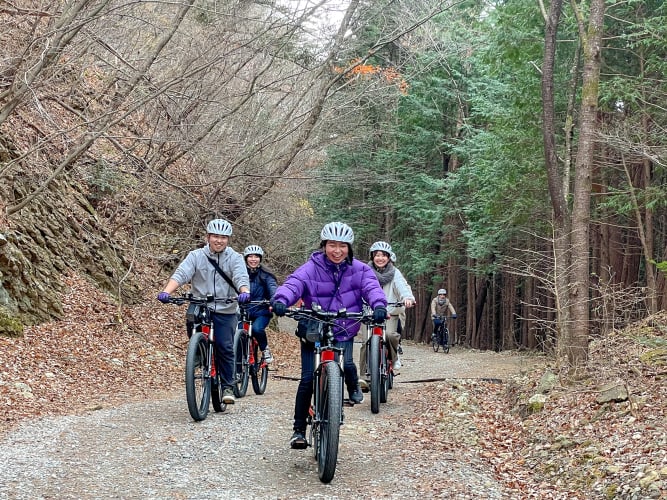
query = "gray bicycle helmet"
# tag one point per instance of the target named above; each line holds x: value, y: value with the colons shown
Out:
x: 219, y: 226
x: 442, y: 291
x: 382, y: 246
x: 337, y: 231
x: 253, y: 250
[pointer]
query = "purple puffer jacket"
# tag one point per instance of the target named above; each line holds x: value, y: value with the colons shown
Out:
x: 315, y: 282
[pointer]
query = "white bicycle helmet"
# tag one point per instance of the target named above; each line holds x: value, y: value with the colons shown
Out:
x: 442, y: 291
x: 253, y: 250
x: 383, y: 246
x: 337, y: 231
x: 219, y: 226
x: 392, y: 256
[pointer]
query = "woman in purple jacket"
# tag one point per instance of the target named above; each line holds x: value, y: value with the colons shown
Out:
x: 334, y: 280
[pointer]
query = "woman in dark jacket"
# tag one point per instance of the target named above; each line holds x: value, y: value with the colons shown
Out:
x: 263, y: 285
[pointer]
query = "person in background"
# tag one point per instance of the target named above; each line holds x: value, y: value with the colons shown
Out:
x: 440, y: 306
x: 333, y: 279
x: 263, y: 285
x: 199, y: 269
x: 401, y: 313
x: 396, y: 289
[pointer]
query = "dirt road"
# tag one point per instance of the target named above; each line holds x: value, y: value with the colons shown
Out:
x: 154, y: 450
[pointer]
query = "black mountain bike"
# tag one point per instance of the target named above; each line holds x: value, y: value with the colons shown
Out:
x: 249, y: 362
x: 440, y: 335
x: 203, y: 384
x: 326, y: 411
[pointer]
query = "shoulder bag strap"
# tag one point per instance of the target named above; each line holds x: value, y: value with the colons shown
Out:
x: 222, y: 273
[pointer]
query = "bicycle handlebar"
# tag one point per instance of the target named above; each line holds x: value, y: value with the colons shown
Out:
x: 200, y: 300
x: 325, y: 316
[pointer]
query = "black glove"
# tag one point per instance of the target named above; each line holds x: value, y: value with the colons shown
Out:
x: 279, y: 308
x: 379, y: 314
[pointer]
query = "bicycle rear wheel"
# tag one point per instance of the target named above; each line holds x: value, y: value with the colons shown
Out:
x: 241, y: 365
x: 197, y: 377
x: 330, y: 413
x: 445, y: 341
x: 384, y: 375
x: 259, y: 372
x: 374, y: 350
x: 216, y: 394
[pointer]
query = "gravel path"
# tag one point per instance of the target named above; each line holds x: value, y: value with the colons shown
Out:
x: 154, y: 450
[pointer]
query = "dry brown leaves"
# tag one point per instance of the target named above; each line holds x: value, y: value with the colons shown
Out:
x: 575, y: 448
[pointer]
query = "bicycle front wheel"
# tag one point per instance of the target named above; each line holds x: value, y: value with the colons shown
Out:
x: 198, y: 377
x: 384, y: 375
x: 435, y: 341
x: 445, y: 341
x: 374, y: 349
x: 241, y: 364
x: 330, y: 414
x: 260, y: 371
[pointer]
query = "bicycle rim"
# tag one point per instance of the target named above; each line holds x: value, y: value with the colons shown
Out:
x: 197, y: 377
x: 331, y: 411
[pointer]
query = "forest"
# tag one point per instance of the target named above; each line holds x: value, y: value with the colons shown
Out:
x: 512, y: 152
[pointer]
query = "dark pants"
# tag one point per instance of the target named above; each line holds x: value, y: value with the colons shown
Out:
x: 259, y: 324
x: 305, y: 391
x: 224, y: 326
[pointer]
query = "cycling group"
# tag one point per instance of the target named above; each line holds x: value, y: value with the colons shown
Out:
x: 337, y: 293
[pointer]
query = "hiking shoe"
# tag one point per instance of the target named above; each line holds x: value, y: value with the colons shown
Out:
x: 298, y: 440
x: 268, y: 357
x: 364, y: 384
x: 397, y: 364
x: 357, y: 396
x: 228, y: 396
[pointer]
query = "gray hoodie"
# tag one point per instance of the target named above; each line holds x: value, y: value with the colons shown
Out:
x: 198, y: 270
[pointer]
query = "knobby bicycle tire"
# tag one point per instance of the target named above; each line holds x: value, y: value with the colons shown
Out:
x: 445, y: 340
x: 241, y: 366
x: 374, y: 349
x: 198, y: 377
x: 259, y: 373
x: 435, y: 341
x: 331, y: 411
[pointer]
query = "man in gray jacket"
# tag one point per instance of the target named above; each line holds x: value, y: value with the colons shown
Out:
x: 199, y: 269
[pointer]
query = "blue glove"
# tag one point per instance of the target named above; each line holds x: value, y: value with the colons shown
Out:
x: 379, y: 314
x: 163, y: 297
x: 244, y: 297
x: 279, y: 308
x: 453, y: 316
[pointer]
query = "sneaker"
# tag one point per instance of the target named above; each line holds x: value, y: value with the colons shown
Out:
x: 298, y: 440
x: 228, y: 396
x: 268, y: 357
x: 357, y: 396
x: 397, y: 364
x: 364, y: 384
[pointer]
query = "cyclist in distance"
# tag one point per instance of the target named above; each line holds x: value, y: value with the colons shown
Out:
x: 333, y: 279
x: 396, y: 289
x: 199, y: 269
x: 440, y: 306
x: 263, y: 285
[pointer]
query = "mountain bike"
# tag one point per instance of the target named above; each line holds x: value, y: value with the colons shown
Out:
x: 249, y: 362
x: 440, y: 336
x: 203, y: 384
x: 326, y: 411
x: 378, y: 363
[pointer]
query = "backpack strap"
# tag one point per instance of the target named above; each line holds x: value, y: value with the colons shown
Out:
x: 222, y: 273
